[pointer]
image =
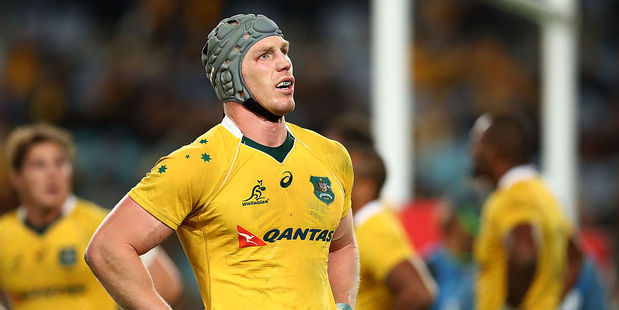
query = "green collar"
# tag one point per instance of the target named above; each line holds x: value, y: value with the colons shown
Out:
x: 278, y: 153
x: 42, y: 230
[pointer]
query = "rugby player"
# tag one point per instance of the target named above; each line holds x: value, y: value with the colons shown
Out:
x: 522, y: 246
x: 261, y: 206
x: 43, y: 241
x: 393, y: 276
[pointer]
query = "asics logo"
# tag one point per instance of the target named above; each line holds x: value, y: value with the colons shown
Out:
x: 286, y: 180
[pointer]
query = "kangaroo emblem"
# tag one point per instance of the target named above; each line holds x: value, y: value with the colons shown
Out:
x: 256, y: 192
x: 248, y: 237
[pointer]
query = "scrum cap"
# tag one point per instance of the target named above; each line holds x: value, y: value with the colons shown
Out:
x: 223, y: 54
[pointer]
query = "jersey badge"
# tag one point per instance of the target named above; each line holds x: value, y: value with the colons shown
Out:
x: 256, y: 197
x: 247, y: 239
x: 322, y: 189
x: 67, y: 256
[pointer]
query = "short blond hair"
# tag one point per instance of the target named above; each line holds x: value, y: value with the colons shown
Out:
x: 21, y: 139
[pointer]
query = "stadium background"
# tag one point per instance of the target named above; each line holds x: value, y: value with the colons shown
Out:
x: 125, y: 78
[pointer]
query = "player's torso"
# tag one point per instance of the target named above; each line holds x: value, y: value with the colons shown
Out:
x: 47, y: 271
x: 491, y: 253
x: 373, y: 293
x: 270, y: 227
x: 382, y: 245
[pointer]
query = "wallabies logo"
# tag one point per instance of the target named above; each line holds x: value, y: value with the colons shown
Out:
x: 67, y: 256
x: 322, y: 189
x: 256, y: 197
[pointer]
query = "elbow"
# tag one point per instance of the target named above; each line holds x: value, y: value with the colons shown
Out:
x: 89, y: 255
x: 417, y: 298
x: 93, y: 255
x: 426, y: 300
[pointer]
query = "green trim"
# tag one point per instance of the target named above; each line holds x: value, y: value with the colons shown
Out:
x: 41, y: 230
x: 278, y: 153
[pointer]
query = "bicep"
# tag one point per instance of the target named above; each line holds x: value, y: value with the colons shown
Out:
x: 343, y: 234
x: 130, y: 224
x: 409, y: 273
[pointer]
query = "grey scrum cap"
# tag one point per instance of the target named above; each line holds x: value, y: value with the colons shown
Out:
x: 225, y: 48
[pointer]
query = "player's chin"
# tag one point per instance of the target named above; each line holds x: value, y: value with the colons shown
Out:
x: 284, y: 107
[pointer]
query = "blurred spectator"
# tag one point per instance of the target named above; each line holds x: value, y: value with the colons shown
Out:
x: 451, y: 261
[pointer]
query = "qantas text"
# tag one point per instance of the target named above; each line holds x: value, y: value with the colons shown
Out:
x: 312, y: 234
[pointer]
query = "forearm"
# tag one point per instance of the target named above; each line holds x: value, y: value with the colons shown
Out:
x: 166, y: 277
x: 343, y: 272
x: 413, y: 286
x: 124, y: 276
x: 410, y: 301
x: 574, y: 263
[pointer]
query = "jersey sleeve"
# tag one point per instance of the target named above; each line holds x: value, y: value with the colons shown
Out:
x: 345, y: 174
x: 177, y: 185
x: 513, y: 213
x: 382, y: 245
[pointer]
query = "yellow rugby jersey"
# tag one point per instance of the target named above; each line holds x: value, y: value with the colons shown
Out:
x: 522, y: 197
x: 382, y: 246
x: 255, y: 222
x: 47, y: 270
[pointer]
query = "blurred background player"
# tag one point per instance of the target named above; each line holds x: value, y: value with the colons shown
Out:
x: 451, y: 260
x: 43, y: 241
x: 522, y: 246
x: 392, y: 274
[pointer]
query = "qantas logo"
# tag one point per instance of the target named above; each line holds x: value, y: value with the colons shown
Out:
x: 247, y: 239
x: 311, y: 234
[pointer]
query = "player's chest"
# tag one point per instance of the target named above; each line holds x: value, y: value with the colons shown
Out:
x: 31, y: 261
x: 300, y: 191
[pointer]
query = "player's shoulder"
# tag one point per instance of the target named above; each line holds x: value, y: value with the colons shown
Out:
x: 215, y: 147
x: 520, y: 197
x: 89, y: 209
x: 8, y: 220
x: 330, y: 152
x: 316, y: 141
x: 383, y: 220
x: 87, y: 215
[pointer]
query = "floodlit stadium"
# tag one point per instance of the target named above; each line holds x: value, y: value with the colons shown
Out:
x: 415, y: 88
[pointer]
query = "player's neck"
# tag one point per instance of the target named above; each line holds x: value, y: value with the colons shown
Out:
x: 360, y: 202
x: 500, y: 169
x: 256, y: 128
x: 38, y: 216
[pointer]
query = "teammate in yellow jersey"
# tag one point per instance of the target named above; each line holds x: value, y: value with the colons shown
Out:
x: 392, y: 275
x: 522, y: 246
x: 260, y: 205
x: 42, y: 242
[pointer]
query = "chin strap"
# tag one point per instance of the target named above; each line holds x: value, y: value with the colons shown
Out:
x: 253, y: 106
